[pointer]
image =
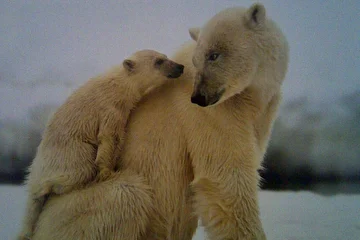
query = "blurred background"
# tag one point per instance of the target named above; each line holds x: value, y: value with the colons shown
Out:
x: 48, y: 48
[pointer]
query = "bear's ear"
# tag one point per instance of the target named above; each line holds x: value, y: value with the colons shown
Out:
x: 129, y: 65
x: 194, y: 33
x: 255, y: 15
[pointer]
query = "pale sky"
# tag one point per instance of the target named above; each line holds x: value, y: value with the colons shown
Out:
x: 49, y: 47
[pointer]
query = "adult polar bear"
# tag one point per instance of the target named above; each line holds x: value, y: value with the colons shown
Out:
x: 182, y: 161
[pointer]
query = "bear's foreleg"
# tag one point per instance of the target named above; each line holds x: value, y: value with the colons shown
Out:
x: 227, y: 204
x: 105, y: 158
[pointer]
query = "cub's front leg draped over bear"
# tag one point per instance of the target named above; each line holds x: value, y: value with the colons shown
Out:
x: 242, y: 55
x: 82, y: 137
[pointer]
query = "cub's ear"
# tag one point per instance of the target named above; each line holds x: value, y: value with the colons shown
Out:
x: 255, y: 15
x: 129, y: 65
x: 194, y: 33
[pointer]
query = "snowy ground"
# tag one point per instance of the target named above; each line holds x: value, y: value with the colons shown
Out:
x: 286, y: 215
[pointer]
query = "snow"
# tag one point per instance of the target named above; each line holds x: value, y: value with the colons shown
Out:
x: 286, y: 215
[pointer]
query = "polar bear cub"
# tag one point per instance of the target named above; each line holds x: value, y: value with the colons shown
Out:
x: 80, y: 140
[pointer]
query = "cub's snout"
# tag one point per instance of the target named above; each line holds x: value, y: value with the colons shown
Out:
x: 176, y: 70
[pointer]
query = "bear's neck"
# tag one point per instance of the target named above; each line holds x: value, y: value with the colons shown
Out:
x: 254, y: 100
x: 266, y: 84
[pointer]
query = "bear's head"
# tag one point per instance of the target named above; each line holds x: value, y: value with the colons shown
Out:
x: 235, y: 49
x: 149, y: 68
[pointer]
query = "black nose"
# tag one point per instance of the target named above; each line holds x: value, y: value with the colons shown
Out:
x: 177, y: 71
x: 199, y: 100
x: 180, y: 68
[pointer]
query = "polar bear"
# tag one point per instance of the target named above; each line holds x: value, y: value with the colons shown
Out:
x: 80, y: 140
x: 192, y: 147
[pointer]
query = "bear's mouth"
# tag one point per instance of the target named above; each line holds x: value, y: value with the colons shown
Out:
x: 174, y: 74
x: 214, y: 99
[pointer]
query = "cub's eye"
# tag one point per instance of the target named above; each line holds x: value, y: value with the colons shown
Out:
x: 159, y: 61
x: 213, y: 56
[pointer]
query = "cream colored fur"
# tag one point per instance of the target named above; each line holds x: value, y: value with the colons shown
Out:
x: 181, y: 161
x: 80, y: 140
x: 241, y: 57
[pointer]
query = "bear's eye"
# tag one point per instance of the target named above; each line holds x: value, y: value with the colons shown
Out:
x: 213, y: 56
x: 159, y: 61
